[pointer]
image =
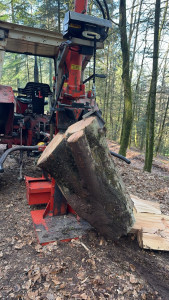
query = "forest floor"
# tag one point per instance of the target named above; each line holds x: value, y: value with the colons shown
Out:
x: 89, y: 268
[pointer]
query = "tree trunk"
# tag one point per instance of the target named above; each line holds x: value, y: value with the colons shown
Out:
x: 40, y: 69
x: 84, y: 170
x: 36, y: 71
x: 27, y: 67
x: 59, y: 16
x: 50, y: 73
x: 2, y: 56
x: 135, y: 40
x: 162, y: 128
x: 127, y: 116
x: 106, y: 84
x: 152, y: 95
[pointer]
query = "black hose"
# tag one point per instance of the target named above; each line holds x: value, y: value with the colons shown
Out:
x: 57, y: 96
x: 103, y: 12
x: 120, y: 157
x: 107, y: 9
x: 101, y: 8
x: 7, y: 152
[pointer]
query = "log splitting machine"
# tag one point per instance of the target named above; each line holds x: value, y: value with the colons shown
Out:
x: 82, y: 36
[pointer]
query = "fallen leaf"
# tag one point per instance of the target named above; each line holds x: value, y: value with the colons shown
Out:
x: 38, y: 248
x: 32, y: 295
x: 50, y: 296
x: 133, y: 279
x: 19, y: 246
x: 132, y: 267
x: 81, y: 275
x: 36, y: 278
x: 62, y: 286
x: 27, y: 284
x: 46, y: 286
x: 57, y: 282
x: 76, y: 296
x: 84, y: 280
x: 98, y: 280
x: 84, y: 296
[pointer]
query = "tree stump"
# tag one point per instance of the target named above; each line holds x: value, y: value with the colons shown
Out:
x: 84, y: 170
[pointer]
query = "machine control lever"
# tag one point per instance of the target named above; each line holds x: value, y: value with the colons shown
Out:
x: 96, y: 75
x: 57, y: 97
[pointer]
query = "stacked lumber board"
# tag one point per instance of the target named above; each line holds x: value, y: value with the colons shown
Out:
x: 151, y: 226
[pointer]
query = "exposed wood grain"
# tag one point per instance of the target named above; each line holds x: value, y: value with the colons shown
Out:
x: 144, y: 206
x: 147, y: 240
x: 151, y: 227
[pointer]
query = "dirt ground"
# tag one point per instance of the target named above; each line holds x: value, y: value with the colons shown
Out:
x: 89, y: 268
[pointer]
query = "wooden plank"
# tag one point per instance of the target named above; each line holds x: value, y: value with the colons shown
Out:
x: 150, y: 222
x: 151, y: 227
x: 148, y: 240
x: 144, y: 206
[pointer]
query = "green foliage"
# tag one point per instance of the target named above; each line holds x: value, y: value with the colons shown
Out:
x: 18, y: 69
x: 3, y: 12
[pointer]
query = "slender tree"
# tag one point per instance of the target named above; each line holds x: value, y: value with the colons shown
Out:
x: 127, y: 115
x: 162, y: 127
x: 36, y: 70
x: 152, y: 94
x: 58, y: 16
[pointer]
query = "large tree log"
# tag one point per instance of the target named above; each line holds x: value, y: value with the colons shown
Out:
x: 84, y: 170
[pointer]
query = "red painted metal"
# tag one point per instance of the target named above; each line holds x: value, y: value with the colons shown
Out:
x: 6, y: 94
x: 38, y: 190
x: 51, y: 208
x: 6, y: 110
x: 21, y: 107
x: 63, y: 228
x: 73, y: 89
x: 27, y: 134
x: 81, y: 6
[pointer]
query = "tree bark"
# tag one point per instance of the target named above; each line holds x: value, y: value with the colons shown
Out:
x: 152, y: 95
x: 84, y: 170
x: 127, y: 116
x: 162, y: 128
x: 59, y: 16
x: 36, y: 71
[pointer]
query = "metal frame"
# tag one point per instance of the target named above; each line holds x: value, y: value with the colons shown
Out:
x: 28, y: 40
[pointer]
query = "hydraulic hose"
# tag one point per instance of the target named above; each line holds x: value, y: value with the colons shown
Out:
x: 101, y: 8
x: 103, y: 12
x: 107, y: 9
x: 7, y: 152
x: 120, y: 157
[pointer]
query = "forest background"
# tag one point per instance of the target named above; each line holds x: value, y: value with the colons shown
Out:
x: 140, y: 29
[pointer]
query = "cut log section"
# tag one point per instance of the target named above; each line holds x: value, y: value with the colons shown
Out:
x: 151, y: 227
x: 84, y: 170
x: 147, y: 240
